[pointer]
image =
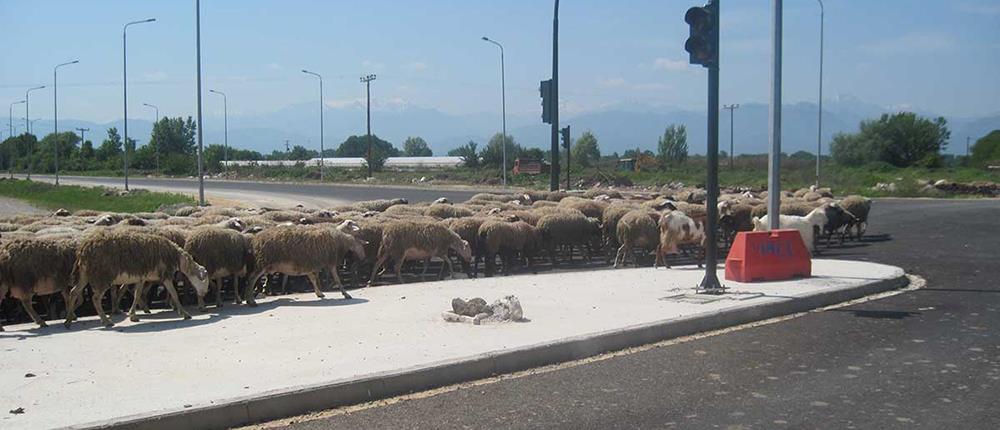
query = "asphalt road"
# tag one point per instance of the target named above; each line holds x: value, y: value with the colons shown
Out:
x: 275, y: 193
x: 928, y: 358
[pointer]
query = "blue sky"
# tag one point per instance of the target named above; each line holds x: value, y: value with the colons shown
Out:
x: 939, y: 56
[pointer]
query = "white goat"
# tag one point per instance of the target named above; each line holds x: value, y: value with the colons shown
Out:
x: 806, y: 225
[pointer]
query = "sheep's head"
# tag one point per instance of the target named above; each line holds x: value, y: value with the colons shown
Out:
x: 493, y: 211
x: 442, y: 200
x: 326, y: 214
x: 400, y: 201
x: 195, y: 273
x: 358, y: 247
x: 667, y: 205
x: 462, y: 248
x: 349, y: 226
x: 233, y: 224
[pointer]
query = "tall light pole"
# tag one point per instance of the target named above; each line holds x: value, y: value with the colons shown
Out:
x: 10, y: 125
x: 367, y: 80
x: 55, y: 109
x: 554, y: 97
x: 819, y: 128
x: 774, y: 129
x: 10, y: 116
x: 125, y: 92
x: 27, y: 126
x: 503, y: 107
x: 156, y: 148
x: 201, y: 128
x: 225, y: 125
x: 967, y: 140
x: 321, y: 146
x: 731, y: 108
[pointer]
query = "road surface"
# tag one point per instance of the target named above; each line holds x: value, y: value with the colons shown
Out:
x: 274, y: 194
x: 929, y: 358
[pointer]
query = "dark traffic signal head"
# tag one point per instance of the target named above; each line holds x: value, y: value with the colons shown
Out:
x: 565, y: 136
x: 546, y: 90
x: 701, y: 44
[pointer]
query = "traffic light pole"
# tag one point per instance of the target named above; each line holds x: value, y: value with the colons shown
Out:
x: 566, y: 143
x: 710, y: 284
x: 774, y: 130
x: 554, y: 97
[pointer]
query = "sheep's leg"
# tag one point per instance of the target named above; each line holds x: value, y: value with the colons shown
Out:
x: 314, y: 280
x: 136, y: 302
x: 218, y: 291
x: 284, y: 284
x: 169, y: 284
x: 427, y: 263
x: 340, y: 285
x: 451, y: 269
x: 620, y: 255
x: 248, y: 290
x: 96, y: 300
x: 378, y: 265
x: 26, y: 303
x: 75, y: 295
x: 116, y: 293
x: 399, y: 269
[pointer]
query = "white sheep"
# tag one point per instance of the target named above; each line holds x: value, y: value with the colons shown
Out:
x: 806, y: 225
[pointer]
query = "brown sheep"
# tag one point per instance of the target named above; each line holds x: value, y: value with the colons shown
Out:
x: 301, y: 251
x: 637, y: 228
x: 443, y: 211
x: 378, y: 205
x: 223, y: 253
x: 30, y: 267
x: 403, y: 241
x: 468, y: 229
x: 117, y: 257
x: 569, y: 229
x: 859, y: 207
x: 506, y: 238
x: 590, y: 208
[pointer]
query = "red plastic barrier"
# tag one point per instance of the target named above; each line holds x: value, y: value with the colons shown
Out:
x: 768, y: 256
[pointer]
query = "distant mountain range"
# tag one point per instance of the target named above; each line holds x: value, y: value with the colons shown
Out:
x: 618, y: 128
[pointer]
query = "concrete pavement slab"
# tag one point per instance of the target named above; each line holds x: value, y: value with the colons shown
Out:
x: 298, y: 353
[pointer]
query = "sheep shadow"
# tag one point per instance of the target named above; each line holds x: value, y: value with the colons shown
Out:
x: 889, y: 315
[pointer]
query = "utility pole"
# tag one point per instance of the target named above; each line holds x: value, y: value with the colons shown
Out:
x: 819, y: 128
x: 125, y: 93
x: 156, y: 146
x: 201, y: 128
x: 732, y: 152
x: 554, y: 99
x: 55, y: 111
x: 321, y: 149
x: 82, y: 131
x: 774, y: 130
x: 367, y: 80
x: 566, y: 144
x: 503, y: 107
x: 287, y: 148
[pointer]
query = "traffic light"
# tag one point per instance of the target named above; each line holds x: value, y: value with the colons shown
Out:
x: 565, y: 137
x: 546, y: 90
x: 703, y: 40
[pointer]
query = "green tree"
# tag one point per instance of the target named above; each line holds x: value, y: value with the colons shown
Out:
x: 492, y: 154
x: 901, y: 139
x: 174, y: 136
x: 672, y: 147
x: 468, y: 153
x: 87, y: 151
x: 357, y: 146
x: 416, y: 147
x: 300, y: 152
x: 986, y: 151
x: 111, y: 147
x: 47, y: 147
x: 586, y: 151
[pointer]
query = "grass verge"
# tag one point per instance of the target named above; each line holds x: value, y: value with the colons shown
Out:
x: 72, y: 197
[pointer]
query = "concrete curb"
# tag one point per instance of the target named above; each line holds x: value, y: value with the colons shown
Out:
x: 305, y: 399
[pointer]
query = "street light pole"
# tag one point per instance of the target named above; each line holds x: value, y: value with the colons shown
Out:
x: 27, y: 126
x: 774, y: 129
x: 225, y: 128
x: 10, y: 125
x: 367, y: 80
x: 125, y: 92
x: 732, y: 152
x: 201, y: 124
x: 321, y: 146
x: 819, y: 129
x: 503, y: 106
x: 156, y: 147
x: 554, y: 94
x: 55, y: 110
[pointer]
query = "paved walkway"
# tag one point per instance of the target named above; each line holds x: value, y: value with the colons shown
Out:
x: 162, y: 364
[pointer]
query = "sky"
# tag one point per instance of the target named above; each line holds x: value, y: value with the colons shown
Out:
x: 937, y: 56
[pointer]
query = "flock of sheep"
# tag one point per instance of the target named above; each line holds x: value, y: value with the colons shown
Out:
x: 81, y: 253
